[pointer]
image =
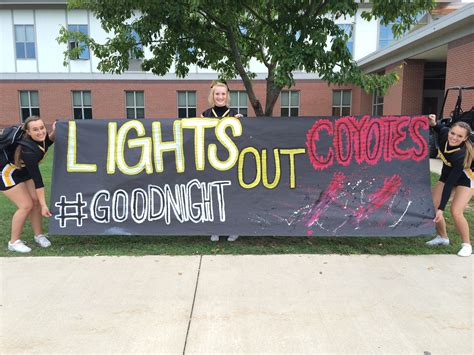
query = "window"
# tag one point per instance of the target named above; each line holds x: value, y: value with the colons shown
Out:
x: 135, y: 104
x: 348, y: 30
x: 341, y: 102
x: 29, y: 104
x: 385, y: 35
x: 377, y: 104
x: 25, y: 42
x: 186, y: 104
x: 74, y: 44
x: 138, y: 46
x: 82, y: 105
x: 289, y: 103
x: 238, y: 101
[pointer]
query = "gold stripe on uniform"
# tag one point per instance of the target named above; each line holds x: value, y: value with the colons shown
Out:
x: 441, y: 156
x: 470, y: 175
x: 7, y: 175
x: 224, y: 115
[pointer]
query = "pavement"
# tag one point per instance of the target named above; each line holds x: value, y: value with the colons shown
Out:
x: 327, y: 304
x: 365, y: 304
x: 436, y: 165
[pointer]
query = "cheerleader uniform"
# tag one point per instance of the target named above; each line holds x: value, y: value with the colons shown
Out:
x: 219, y: 112
x: 453, y: 172
x: 32, y: 153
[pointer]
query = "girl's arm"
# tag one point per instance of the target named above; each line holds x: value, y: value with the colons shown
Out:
x: 52, y: 134
x: 432, y: 120
x: 42, y: 200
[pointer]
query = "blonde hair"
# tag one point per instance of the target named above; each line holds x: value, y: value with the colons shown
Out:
x: 215, y: 84
x: 16, y: 157
x: 469, y: 148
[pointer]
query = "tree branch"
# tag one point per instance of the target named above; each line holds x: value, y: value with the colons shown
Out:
x: 257, y: 106
x: 259, y: 45
x: 253, y: 12
x: 208, y: 17
x: 309, y: 14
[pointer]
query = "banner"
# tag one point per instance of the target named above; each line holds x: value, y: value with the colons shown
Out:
x: 346, y: 176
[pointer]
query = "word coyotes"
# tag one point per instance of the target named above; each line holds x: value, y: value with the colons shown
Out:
x: 367, y: 140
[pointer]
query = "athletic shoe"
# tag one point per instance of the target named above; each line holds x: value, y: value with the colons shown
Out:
x: 232, y: 238
x: 42, y: 241
x: 466, y: 250
x: 439, y: 240
x: 18, y: 246
x: 214, y: 238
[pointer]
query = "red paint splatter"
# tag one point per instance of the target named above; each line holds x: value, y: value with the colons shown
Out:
x: 378, y: 198
x: 327, y: 196
x: 309, y: 232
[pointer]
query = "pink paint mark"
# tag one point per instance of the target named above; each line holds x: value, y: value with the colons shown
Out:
x: 327, y: 196
x: 378, y: 198
x: 309, y: 232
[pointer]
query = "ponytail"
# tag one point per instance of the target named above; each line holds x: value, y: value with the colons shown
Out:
x: 469, y: 154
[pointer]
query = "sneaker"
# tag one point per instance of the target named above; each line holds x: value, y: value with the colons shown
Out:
x: 18, y: 246
x: 466, y: 250
x: 214, y: 238
x: 42, y: 241
x: 232, y: 238
x: 439, y: 240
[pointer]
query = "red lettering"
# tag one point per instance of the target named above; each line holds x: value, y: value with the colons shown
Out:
x: 367, y: 140
x: 357, y: 129
x: 319, y: 162
x: 399, y: 136
x: 343, y: 129
x: 390, y: 122
x: 373, y: 138
x: 417, y: 123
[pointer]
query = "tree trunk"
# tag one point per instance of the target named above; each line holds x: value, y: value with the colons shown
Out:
x: 271, y: 95
x: 254, y: 101
x: 257, y: 106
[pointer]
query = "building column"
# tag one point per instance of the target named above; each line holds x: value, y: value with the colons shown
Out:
x: 459, y: 72
x: 406, y: 96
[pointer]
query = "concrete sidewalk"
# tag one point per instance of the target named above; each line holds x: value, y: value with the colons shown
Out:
x: 237, y: 304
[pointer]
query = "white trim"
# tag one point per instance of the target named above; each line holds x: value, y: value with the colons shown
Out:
x: 36, y: 41
x: 440, y: 32
x: 14, y: 41
x: 135, y: 76
x: 89, y: 33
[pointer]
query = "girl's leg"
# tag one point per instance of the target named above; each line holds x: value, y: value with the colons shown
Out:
x: 20, y: 196
x: 35, y: 214
x: 436, y: 194
x: 462, y: 196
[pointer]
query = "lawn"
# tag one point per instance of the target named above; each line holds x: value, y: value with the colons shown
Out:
x: 192, y: 245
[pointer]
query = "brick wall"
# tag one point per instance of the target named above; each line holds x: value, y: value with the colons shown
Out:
x: 392, y: 103
x: 108, y: 97
x: 406, y: 96
x: 460, y: 71
x: 412, y: 93
x: 362, y: 102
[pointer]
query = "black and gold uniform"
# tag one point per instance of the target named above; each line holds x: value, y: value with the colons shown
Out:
x: 219, y: 112
x: 453, y: 172
x: 32, y: 153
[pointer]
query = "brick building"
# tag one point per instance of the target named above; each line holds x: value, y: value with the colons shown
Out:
x: 33, y: 80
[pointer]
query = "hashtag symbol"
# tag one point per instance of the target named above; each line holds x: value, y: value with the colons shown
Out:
x: 71, y: 210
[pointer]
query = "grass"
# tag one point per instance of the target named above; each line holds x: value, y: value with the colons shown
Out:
x: 197, y: 245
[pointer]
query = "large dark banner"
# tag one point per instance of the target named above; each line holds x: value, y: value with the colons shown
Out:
x: 258, y: 176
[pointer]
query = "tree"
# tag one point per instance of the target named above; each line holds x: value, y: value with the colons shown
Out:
x: 225, y: 35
